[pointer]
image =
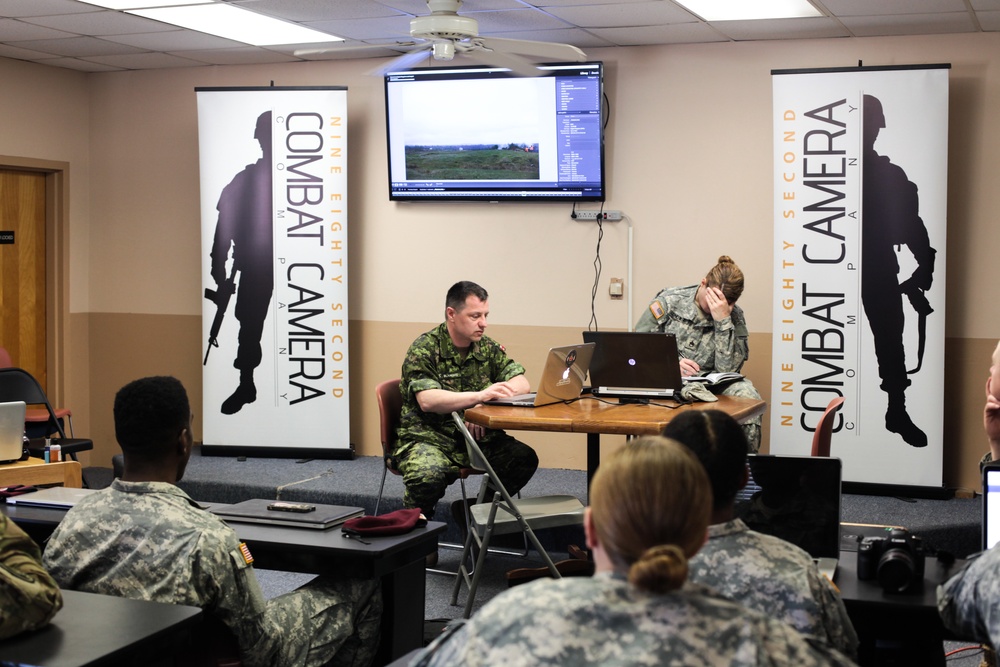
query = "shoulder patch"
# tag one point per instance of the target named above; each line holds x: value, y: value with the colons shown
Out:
x: 656, y: 309
x: 245, y: 550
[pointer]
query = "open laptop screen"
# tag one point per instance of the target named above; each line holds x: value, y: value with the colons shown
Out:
x: 796, y: 498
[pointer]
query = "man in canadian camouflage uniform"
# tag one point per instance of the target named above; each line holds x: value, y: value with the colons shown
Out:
x: 759, y: 571
x: 714, y: 345
x: 144, y: 538
x: 451, y: 368
x: 29, y: 598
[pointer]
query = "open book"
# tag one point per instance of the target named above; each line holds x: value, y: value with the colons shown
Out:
x: 714, y: 378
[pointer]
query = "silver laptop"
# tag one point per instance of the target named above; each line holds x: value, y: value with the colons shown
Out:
x: 562, y: 378
x: 11, y: 431
x: 56, y: 497
x: 634, y: 366
x: 796, y: 498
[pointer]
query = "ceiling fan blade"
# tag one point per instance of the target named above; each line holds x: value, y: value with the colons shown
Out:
x: 355, y: 48
x: 548, y: 50
x: 402, y: 62
x: 511, y: 61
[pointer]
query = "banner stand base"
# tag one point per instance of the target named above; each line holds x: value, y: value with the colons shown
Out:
x: 340, y: 453
x: 898, y: 490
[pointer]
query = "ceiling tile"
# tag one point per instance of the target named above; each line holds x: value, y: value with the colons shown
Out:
x: 144, y: 61
x: 174, y: 40
x: 12, y: 30
x: 100, y: 23
x: 319, y: 10
x: 891, y: 7
x: 80, y: 47
x: 989, y: 20
x: 681, y: 33
x: 516, y: 19
x: 910, y: 24
x: 623, y: 15
x: 247, y: 55
x: 17, y: 53
x: 15, y: 8
x: 82, y: 65
x: 365, y: 28
x: 818, y: 27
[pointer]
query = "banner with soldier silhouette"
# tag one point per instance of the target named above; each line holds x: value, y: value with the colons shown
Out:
x: 274, y: 270
x: 861, y: 166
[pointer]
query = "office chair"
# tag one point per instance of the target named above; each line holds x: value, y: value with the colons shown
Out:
x: 37, y: 416
x: 824, y: 429
x: 502, y: 516
x: 17, y: 384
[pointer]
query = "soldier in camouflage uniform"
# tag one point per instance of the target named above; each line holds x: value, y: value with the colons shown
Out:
x: 29, y: 598
x: 711, y: 331
x: 144, y: 538
x: 451, y: 368
x: 758, y: 571
x: 637, y: 609
x: 969, y: 601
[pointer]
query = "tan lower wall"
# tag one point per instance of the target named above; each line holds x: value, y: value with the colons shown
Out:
x: 127, y: 346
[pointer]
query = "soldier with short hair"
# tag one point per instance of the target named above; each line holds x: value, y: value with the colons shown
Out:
x: 711, y: 331
x: 29, y: 598
x: 144, y: 538
x: 450, y: 368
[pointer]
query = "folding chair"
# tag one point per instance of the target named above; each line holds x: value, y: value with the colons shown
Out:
x: 17, y: 384
x: 503, y: 516
x: 824, y: 429
x: 35, y: 415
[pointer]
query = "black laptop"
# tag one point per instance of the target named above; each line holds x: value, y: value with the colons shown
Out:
x: 283, y: 513
x: 634, y: 366
x: 796, y: 498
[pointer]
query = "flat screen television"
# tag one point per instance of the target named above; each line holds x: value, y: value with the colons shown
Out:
x: 486, y: 134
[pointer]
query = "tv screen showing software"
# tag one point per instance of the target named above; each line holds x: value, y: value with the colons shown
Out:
x: 486, y: 134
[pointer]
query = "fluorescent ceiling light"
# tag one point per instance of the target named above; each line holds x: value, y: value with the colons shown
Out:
x: 742, y: 10
x: 230, y: 22
x: 140, y: 4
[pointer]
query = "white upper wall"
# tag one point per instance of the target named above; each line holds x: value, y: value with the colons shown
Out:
x: 688, y: 151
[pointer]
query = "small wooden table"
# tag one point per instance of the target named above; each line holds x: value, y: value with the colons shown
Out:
x: 34, y: 471
x: 593, y: 416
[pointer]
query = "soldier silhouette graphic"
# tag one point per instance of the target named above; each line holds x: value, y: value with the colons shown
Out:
x: 889, y: 218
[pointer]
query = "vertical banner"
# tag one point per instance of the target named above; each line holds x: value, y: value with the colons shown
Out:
x: 861, y: 159
x: 274, y: 270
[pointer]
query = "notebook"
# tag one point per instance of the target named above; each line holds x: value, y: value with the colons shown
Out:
x: 796, y: 498
x: 11, y: 431
x: 991, y: 505
x: 284, y: 513
x: 562, y: 378
x: 56, y: 497
x: 634, y: 366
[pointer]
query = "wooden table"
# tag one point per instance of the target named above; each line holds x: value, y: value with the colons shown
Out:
x: 596, y: 416
x: 34, y: 471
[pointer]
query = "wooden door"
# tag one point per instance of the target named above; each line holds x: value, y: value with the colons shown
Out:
x: 22, y: 269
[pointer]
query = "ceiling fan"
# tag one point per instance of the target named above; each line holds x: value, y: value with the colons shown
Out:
x: 443, y: 33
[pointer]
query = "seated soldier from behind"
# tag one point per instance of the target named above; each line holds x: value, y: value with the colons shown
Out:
x: 29, y: 598
x: 650, y: 507
x: 144, y: 538
x: 761, y: 572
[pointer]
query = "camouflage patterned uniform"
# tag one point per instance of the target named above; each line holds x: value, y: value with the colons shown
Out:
x: 969, y: 602
x: 150, y: 541
x: 430, y: 450
x: 602, y: 620
x: 716, y: 346
x: 776, y: 578
x: 29, y: 598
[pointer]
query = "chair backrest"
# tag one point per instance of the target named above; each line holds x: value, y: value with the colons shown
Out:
x: 390, y: 407
x: 824, y: 429
x: 17, y: 384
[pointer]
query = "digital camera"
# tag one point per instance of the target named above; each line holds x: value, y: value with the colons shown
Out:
x: 896, y: 561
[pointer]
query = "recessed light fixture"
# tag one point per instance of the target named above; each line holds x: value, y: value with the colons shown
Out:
x: 222, y: 20
x: 742, y: 10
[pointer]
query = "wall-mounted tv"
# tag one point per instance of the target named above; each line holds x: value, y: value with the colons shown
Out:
x: 486, y: 134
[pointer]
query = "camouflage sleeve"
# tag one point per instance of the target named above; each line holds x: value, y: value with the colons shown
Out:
x: 967, y: 601
x: 840, y: 632
x: 502, y: 367
x: 647, y: 322
x: 235, y: 596
x: 29, y: 597
x: 730, y: 341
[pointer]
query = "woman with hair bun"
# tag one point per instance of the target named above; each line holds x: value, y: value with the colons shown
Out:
x: 651, y: 502
x: 711, y: 331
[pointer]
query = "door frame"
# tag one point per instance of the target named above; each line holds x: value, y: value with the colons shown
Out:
x: 56, y: 265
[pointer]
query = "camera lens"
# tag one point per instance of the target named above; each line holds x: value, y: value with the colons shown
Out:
x: 896, y: 570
